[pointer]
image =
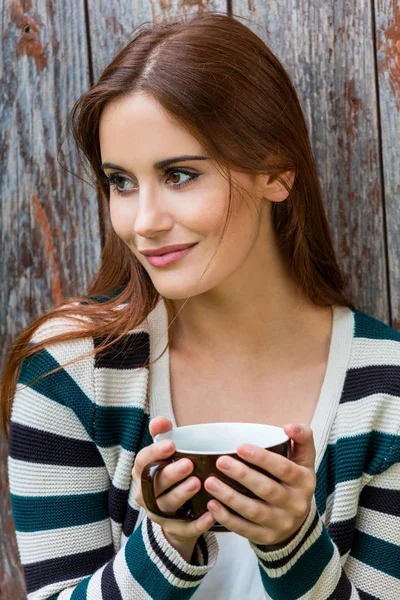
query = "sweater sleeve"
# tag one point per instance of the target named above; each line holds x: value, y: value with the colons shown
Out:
x: 310, y: 566
x: 59, y: 498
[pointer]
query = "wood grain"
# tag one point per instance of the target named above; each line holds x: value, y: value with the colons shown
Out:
x: 49, y: 227
x: 387, y: 18
x: 328, y: 50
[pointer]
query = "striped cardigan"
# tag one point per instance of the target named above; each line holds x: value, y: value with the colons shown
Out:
x: 73, y: 440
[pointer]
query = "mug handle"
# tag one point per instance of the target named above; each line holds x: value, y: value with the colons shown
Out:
x: 149, y: 473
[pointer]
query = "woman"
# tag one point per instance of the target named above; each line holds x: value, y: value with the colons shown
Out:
x: 247, y: 322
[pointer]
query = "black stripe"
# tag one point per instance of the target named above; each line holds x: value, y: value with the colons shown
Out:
x: 343, y: 589
x: 342, y: 534
x: 373, y: 379
x: 117, y: 503
x: 109, y: 586
x: 364, y: 596
x: 37, y: 446
x: 131, y: 352
x: 381, y: 499
x: 203, y: 547
x: 131, y: 517
x: 194, y: 560
x: 176, y: 571
x: 40, y: 574
x: 280, y: 562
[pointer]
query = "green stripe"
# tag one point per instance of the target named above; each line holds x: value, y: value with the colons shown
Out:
x: 147, y: 574
x: 348, y: 458
x: 367, y: 326
x: 120, y: 425
x: 376, y: 553
x: 304, y: 574
x: 321, y: 488
x: 32, y: 513
x: 59, y: 387
x: 80, y: 592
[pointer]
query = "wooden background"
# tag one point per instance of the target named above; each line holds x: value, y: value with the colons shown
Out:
x: 344, y: 59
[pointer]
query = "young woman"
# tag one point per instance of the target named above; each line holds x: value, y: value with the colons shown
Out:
x: 218, y: 298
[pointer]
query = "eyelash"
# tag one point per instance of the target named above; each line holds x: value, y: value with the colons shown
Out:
x: 111, y: 180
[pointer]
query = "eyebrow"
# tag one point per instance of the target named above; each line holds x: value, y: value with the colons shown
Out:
x: 160, y: 164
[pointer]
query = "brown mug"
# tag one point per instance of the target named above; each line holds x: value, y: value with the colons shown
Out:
x: 203, y: 444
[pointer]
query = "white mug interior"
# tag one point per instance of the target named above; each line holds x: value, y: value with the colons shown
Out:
x: 222, y: 438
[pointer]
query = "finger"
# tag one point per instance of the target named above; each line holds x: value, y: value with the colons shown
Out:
x: 172, y: 474
x: 171, y: 501
x: 285, y: 470
x: 260, y: 484
x: 256, y: 511
x: 303, y: 452
x: 159, y: 425
x: 157, y: 451
x: 184, y: 530
x: 251, y: 531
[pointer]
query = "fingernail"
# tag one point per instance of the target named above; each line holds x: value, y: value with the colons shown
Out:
x: 208, y: 520
x: 191, y: 485
x: 297, y: 429
x: 246, y: 449
x: 166, y: 445
x: 225, y: 462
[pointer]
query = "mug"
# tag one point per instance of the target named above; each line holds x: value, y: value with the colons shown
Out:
x: 203, y: 444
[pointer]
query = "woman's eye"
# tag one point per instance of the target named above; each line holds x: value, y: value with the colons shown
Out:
x: 115, y: 181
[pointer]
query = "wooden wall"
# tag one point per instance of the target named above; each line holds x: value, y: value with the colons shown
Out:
x: 344, y: 58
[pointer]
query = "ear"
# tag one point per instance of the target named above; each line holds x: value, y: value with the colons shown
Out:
x: 273, y: 190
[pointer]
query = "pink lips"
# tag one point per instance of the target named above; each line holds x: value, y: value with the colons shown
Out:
x: 163, y: 260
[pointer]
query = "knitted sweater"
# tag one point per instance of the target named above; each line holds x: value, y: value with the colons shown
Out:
x: 73, y: 440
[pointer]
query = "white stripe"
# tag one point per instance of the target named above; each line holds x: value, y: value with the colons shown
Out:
x: 388, y: 479
x: 119, y: 462
x: 55, y: 588
x: 342, y: 504
x: 380, y: 525
x: 332, y: 386
x: 93, y: 591
x: 372, y: 581
x: 378, y: 412
x: 128, y: 586
x: 35, y: 546
x: 121, y: 387
x: 328, y: 580
x: 368, y: 352
x: 35, y: 410
x: 34, y: 479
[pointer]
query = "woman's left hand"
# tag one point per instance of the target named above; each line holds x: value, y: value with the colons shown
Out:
x: 283, y: 506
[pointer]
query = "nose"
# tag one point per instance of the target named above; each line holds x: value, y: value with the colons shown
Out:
x: 152, y: 215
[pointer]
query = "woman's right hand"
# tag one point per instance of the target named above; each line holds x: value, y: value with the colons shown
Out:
x: 182, y: 535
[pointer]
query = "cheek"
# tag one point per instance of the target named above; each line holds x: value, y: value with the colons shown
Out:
x: 122, y: 218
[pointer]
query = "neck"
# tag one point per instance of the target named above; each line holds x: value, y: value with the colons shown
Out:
x: 270, y: 320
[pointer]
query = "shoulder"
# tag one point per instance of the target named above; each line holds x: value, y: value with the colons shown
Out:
x: 375, y: 348
x: 371, y: 391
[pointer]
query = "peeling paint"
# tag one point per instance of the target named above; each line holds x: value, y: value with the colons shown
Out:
x: 29, y: 43
x: 43, y: 222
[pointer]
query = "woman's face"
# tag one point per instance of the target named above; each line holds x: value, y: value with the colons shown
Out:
x: 184, y: 202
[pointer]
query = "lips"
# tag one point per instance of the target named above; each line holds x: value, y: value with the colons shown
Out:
x: 162, y: 260
x: 166, y: 249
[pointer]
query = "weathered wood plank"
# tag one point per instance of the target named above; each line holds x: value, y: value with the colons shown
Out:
x: 327, y: 48
x: 387, y: 18
x: 49, y: 227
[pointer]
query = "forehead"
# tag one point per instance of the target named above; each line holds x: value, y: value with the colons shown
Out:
x: 138, y: 126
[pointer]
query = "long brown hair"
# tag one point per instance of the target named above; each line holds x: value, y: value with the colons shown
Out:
x: 224, y: 85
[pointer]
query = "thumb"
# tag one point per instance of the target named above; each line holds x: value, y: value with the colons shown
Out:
x: 303, y: 449
x: 159, y: 425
